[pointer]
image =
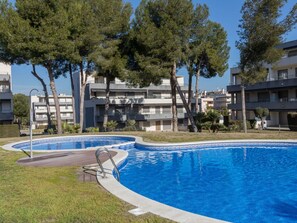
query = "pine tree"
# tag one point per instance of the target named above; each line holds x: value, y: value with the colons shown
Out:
x: 35, y: 32
x: 160, y: 32
x: 260, y: 31
x: 207, y: 50
x: 109, y: 58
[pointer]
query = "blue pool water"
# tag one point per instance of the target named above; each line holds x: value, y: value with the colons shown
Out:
x: 257, y: 183
x: 81, y: 142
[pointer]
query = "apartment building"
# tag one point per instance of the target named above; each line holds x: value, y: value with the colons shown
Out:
x: 6, y: 97
x: 150, y: 107
x: 40, y: 110
x: 212, y: 99
x: 278, y: 93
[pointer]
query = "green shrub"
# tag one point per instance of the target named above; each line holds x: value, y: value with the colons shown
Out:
x: 235, y: 125
x: 9, y: 131
x: 252, y: 123
x: 50, y: 131
x: 92, y: 129
x: 207, y: 126
x: 111, y: 125
x: 292, y: 121
x: 130, y: 126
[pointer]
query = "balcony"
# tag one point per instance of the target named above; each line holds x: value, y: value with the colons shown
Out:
x: 6, y: 95
x: 6, y: 116
x: 275, y: 105
x: 286, y: 83
x: 4, y: 78
x: 141, y: 117
x: 125, y: 88
x: 44, y: 118
x: 136, y: 101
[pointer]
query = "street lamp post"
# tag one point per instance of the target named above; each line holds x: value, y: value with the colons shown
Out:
x: 31, y: 122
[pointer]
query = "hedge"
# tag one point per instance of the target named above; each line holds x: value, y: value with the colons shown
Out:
x: 9, y: 131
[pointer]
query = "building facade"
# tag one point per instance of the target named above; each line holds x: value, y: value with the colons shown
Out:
x: 278, y: 93
x: 150, y: 107
x: 40, y: 110
x: 6, y: 97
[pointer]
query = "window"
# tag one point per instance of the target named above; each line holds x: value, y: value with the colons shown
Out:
x: 247, y: 97
x: 166, y: 110
x: 263, y: 97
x: 292, y: 53
x: 130, y: 94
x: 156, y: 94
x: 180, y: 109
x: 167, y: 125
x: 283, y: 96
x: 282, y: 74
x: 146, y: 124
x: 146, y: 109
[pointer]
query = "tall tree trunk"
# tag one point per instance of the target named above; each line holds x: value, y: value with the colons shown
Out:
x: 107, y: 101
x: 190, y: 117
x: 56, y: 99
x: 196, y: 90
x: 72, y: 92
x: 48, y: 111
x: 243, y: 108
x: 190, y: 95
x: 190, y: 91
x: 83, y: 82
x: 173, y: 97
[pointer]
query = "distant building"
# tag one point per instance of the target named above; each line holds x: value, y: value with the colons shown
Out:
x: 278, y: 93
x: 6, y: 97
x: 40, y: 111
x: 150, y: 107
x: 213, y: 99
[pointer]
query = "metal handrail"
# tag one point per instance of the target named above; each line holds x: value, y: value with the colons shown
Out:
x: 113, y: 163
x: 97, y: 154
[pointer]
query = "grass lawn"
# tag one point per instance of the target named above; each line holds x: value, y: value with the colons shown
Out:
x: 54, y: 194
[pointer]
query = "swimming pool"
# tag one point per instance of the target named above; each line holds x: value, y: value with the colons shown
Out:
x: 73, y: 143
x: 250, y: 182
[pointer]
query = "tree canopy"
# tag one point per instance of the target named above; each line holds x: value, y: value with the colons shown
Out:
x: 21, y: 108
x: 261, y: 30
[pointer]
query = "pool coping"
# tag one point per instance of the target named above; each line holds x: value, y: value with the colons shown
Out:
x: 9, y: 146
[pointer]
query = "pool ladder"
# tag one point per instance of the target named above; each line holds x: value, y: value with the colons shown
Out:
x: 104, y: 150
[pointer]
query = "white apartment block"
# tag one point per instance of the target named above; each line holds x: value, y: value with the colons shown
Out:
x: 40, y: 110
x: 150, y: 107
x: 6, y: 97
x: 278, y: 93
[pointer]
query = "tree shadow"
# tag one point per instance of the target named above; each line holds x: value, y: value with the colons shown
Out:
x: 286, y: 209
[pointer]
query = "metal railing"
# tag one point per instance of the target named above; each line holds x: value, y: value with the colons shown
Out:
x: 100, y: 151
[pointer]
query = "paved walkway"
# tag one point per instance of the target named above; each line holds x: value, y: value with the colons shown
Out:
x: 55, y: 159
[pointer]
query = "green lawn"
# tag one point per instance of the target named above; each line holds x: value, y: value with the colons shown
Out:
x: 35, y: 194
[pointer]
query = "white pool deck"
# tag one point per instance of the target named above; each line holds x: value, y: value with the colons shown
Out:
x: 144, y: 204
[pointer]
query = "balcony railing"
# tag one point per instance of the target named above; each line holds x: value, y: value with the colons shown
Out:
x: 7, y: 95
x: 6, y: 116
x: 4, y: 77
x: 285, y: 83
x: 140, y: 117
x: 290, y: 104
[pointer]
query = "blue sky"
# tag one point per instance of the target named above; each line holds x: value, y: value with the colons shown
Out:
x: 226, y: 12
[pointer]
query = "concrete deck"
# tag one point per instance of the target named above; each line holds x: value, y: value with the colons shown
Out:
x: 56, y: 159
